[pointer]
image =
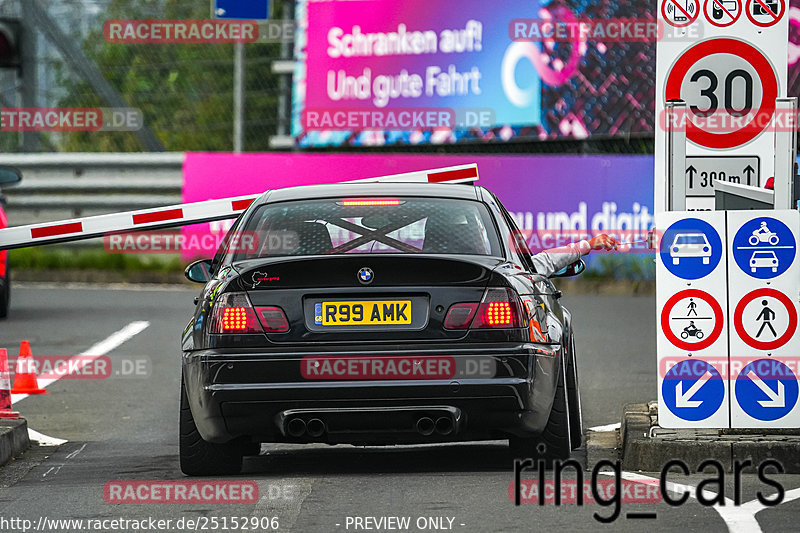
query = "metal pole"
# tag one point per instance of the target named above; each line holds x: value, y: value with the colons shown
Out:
x: 284, y: 83
x: 676, y: 155
x: 785, y: 152
x: 29, y: 140
x: 238, y: 97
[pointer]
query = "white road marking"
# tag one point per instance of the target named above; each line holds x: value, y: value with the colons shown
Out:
x: 44, y: 440
x: 607, y: 427
x: 739, y: 519
x: 101, y: 348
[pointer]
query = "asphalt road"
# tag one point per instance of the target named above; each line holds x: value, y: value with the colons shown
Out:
x: 125, y: 428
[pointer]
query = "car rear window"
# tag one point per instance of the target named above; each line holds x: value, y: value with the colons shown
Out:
x: 370, y: 226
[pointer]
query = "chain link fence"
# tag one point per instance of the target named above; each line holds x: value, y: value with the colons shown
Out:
x: 184, y: 91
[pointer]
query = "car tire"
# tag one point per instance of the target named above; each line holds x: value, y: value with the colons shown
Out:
x: 5, y: 295
x: 574, y: 399
x: 202, y: 458
x: 555, y: 442
x: 251, y: 449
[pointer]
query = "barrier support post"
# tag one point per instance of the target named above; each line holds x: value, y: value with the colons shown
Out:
x: 785, y: 152
x: 676, y: 155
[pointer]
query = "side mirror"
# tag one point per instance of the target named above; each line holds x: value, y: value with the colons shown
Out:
x: 199, y: 271
x: 571, y: 270
x: 9, y: 176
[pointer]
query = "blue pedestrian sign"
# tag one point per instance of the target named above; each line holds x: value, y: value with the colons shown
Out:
x: 766, y: 389
x: 693, y: 390
x: 764, y: 248
x: 240, y: 9
x: 691, y: 248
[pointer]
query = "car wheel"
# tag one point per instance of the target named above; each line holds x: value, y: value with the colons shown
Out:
x: 555, y: 442
x: 5, y: 294
x: 202, y: 458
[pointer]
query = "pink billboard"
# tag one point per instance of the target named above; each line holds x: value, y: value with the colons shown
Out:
x: 541, y: 191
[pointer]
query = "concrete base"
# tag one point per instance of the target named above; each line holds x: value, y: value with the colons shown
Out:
x: 13, y: 438
x: 647, y: 447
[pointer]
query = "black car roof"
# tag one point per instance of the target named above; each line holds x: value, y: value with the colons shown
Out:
x: 338, y: 190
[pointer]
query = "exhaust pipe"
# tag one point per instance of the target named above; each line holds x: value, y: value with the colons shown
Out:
x: 316, y: 427
x: 444, y: 425
x: 296, y: 427
x: 425, y: 426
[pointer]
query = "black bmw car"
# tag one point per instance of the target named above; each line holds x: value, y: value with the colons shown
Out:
x: 370, y: 314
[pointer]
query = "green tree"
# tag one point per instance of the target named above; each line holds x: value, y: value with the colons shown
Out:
x: 185, y: 91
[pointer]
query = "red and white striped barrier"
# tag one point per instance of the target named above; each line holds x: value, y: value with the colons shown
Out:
x: 184, y: 214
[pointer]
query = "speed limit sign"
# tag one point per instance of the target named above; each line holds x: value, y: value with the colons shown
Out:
x: 730, y: 88
x: 728, y: 66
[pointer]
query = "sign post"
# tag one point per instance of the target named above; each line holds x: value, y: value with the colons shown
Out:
x: 764, y: 288
x: 692, y: 343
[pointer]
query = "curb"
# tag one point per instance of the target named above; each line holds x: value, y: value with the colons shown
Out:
x: 646, y: 446
x: 13, y: 438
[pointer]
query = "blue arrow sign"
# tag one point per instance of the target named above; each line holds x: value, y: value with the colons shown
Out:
x: 766, y: 389
x: 764, y: 247
x: 241, y: 9
x: 693, y: 390
x: 691, y: 248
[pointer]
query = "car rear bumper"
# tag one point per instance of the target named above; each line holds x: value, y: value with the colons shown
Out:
x: 488, y: 392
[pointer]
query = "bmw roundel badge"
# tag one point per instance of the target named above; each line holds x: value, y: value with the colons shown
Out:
x: 365, y: 275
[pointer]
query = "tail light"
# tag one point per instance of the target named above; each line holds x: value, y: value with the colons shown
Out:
x: 233, y: 313
x: 499, y: 308
x: 273, y: 319
x: 460, y: 315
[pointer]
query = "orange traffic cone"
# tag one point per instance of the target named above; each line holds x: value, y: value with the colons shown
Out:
x: 5, y: 383
x: 25, y: 381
